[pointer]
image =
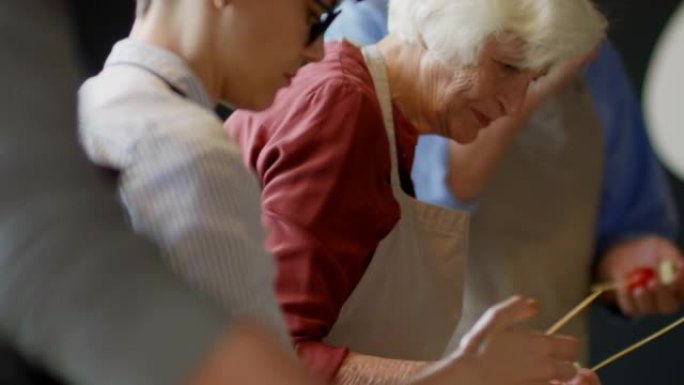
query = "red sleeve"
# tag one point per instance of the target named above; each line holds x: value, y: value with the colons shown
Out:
x: 323, y: 162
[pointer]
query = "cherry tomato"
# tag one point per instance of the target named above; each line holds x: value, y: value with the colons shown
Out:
x: 640, y: 277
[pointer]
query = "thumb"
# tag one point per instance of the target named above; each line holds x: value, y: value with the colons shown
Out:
x: 501, y: 316
x: 585, y: 377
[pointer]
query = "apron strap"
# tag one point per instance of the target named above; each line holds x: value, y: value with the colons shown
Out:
x: 378, y: 72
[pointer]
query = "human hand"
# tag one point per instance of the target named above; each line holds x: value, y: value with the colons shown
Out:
x: 585, y: 377
x: 497, y: 351
x: 652, y: 296
x: 250, y: 355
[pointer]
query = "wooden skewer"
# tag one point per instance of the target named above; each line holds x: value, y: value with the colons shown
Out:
x: 605, y: 286
x: 638, y: 344
x: 573, y: 313
x: 664, y: 274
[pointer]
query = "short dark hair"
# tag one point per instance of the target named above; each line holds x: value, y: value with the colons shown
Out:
x: 142, y: 6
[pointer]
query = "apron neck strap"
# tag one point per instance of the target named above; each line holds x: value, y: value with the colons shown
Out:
x: 378, y: 72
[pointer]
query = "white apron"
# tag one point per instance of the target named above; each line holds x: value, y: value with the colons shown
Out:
x: 408, y: 302
x: 533, y: 232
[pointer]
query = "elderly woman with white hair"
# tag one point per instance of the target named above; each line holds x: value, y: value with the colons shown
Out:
x: 362, y: 266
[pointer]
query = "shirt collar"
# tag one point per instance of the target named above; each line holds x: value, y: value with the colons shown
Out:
x: 163, y: 63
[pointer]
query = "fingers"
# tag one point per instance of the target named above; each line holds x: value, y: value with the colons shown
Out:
x: 678, y: 283
x: 626, y: 303
x: 585, y: 377
x: 654, y: 298
x: 644, y: 301
x: 559, y: 374
x: 669, y: 252
x: 559, y: 347
x: 520, y: 356
x: 564, y: 371
x: 563, y: 348
x: 510, y: 312
x: 656, y: 253
x: 557, y: 354
x: 666, y: 301
x: 499, y: 317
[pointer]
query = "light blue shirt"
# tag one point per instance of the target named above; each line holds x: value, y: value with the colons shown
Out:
x: 635, y: 199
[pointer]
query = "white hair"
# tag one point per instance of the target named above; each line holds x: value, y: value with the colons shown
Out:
x: 455, y: 30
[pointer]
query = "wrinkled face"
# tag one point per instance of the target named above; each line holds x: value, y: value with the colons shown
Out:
x: 262, y: 44
x: 462, y: 100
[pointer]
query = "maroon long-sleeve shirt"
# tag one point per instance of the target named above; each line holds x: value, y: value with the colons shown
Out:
x: 322, y: 156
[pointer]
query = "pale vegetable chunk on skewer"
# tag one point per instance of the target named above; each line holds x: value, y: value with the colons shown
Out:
x: 667, y: 272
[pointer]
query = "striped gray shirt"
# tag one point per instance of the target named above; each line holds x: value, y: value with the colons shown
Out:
x: 182, y: 181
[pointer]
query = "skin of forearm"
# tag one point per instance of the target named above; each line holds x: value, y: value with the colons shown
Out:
x: 457, y: 370
x: 250, y: 355
x: 359, y: 369
x: 471, y: 165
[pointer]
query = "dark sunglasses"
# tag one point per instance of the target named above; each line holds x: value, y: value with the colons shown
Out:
x: 329, y: 14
